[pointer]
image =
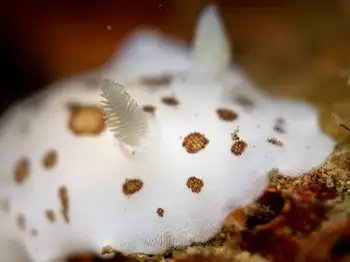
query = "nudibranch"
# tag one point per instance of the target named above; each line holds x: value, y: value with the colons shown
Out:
x: 188, y: 139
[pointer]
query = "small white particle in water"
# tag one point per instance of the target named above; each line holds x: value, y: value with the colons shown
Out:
x: 109, y: 27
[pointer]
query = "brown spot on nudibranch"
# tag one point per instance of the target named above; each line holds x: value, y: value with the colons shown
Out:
x: 244, y: 101
x: 21, y: 222
x: 21, y: 172
x: 195, y: 142
x: 275, y: 142
x: 195, y: 184
x: 149, y: 109
x: 160, y: 212
x: 226, y: 114
x: 5, y: 205
x: 156, y: 81
x: 170, y: 101
x: 279, y: 129
x: 238, y: 147
x: 50, y: 159
x: 132, y: 186
x: 280, y: 121
x: 279, y: 125
x: 34, y: 232
x: 63, y: 196
x: 50, y: 215
x: 86, y: 120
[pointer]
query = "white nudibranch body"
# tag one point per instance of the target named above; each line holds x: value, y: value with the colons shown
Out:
x: 167, y: 167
